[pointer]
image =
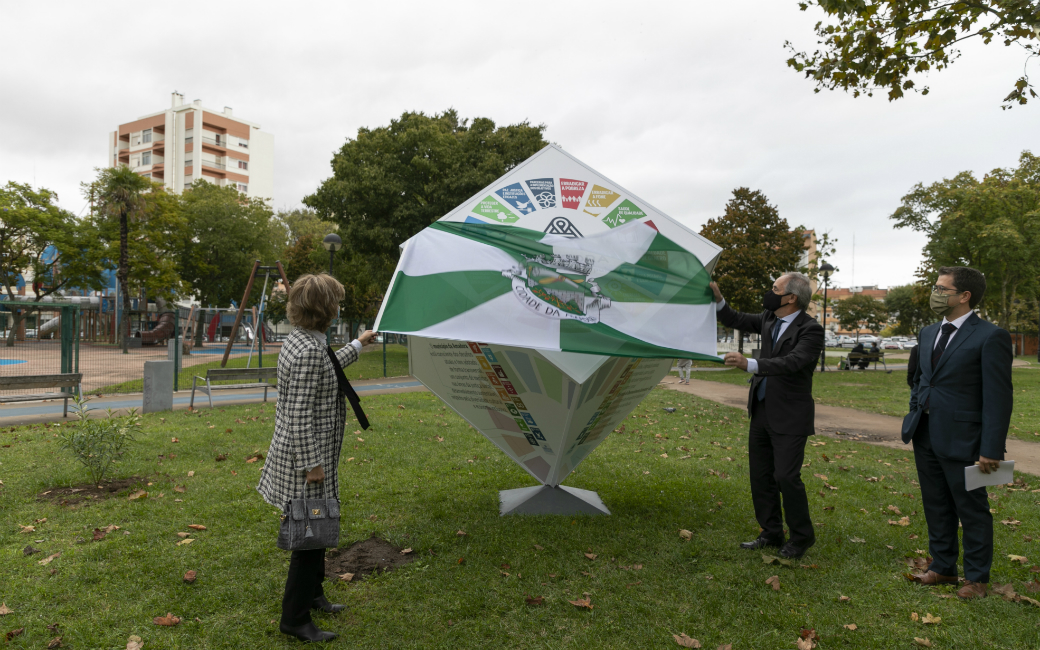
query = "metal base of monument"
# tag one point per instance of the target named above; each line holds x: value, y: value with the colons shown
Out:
x: 548, y: 500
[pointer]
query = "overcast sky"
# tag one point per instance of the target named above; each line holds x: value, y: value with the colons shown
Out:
x: 679, y: 102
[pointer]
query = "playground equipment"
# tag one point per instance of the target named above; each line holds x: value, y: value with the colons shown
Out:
x: 245, y: 298
x: 162, y: 331
x: 49, y: 328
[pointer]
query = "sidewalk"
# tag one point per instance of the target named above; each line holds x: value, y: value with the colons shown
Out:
x: 872, y: 428
x: 50, y: 411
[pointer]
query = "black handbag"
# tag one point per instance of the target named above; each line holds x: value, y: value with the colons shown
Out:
x: 310, y: 524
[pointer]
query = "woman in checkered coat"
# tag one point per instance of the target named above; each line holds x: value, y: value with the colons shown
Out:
x: 310, y: 416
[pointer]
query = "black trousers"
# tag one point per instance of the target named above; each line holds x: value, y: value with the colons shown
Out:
x: 945, y: 503
x: 775, y: 467
x: 302, y: 586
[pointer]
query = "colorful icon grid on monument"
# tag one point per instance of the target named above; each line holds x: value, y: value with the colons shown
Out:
x: 556, y: 257
x: 544, y: 419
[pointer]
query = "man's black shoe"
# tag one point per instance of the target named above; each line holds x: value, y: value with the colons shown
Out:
x: 761, y: 542
x: 792, y: 550
x: 322, y: 603
x: 308, y: 632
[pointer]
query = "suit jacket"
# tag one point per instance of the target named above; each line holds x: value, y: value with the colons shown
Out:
x: 911, y: 365
x: 969, y: 394
x: 308, y: 424
x: 789, y: 403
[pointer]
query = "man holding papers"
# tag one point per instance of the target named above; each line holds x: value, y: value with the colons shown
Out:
x: 960, y: 410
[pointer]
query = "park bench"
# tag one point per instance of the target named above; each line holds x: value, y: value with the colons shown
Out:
x: 260, y: 375
x: 855, y: 357
x: 64, y: 380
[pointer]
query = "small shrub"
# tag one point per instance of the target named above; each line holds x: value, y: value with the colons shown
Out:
x: 97, y: 443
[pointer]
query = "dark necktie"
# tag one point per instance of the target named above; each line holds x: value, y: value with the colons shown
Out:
x: 346, y: 389
x: 760, y: 394
x: 947, y: 331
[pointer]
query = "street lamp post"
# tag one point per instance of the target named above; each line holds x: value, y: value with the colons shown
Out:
x: 826, y: 269
x: 332, y: 243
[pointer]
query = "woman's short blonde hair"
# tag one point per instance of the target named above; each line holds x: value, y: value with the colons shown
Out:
x: 313, y: 301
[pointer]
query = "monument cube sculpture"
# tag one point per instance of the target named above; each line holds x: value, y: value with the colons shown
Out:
x: 545, y: 308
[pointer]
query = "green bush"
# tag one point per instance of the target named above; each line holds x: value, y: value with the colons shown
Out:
x: 97, y: 443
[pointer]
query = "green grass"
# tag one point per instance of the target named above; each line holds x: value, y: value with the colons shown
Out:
x: 368, y: 366
x: 888, y: 394
x: 417, y: 492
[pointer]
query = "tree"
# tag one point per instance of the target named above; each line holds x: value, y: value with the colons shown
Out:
x: 40, y: 239
x: 139, y: 223
x: 992, y: 225
x: 226, y: 232
x: 392, y: 181
x: 758, y: 246
x: 908, y: 304
x: 882, y: 44
x: 858, y: 310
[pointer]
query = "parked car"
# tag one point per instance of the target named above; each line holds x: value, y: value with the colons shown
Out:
x: 865, y: 339
x: 890, y: 344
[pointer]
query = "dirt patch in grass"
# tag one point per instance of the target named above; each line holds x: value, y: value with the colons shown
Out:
x: 373, y: 555
x: 76, y: 494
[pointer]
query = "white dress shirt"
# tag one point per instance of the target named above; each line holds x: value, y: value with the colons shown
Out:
x: 752, y: 364
x: 320, y: 338
x: 956, y: 323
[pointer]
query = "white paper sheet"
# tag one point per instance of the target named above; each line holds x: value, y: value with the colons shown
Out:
x: 974, y: 478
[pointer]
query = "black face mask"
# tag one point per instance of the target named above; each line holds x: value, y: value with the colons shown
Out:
x: 771, y: 301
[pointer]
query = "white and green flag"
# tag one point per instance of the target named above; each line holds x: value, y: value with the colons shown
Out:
x: 555, y: 257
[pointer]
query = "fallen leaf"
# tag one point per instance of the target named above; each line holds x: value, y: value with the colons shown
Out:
x: 190, y: 576
x: 98, y: 534
x: 461, y: 533
x: 774, y: 581
x: 178, y: 488
x: 140, y: 494
x: 29, y: 550
x: 185, y: 541
x: 183, y: 535
x: 13, y: 633
x: 1011, y: 522
x: 27, y: 529
x: 857, y: 540
x: 850, y: 626
x: 228, y: 431
x: 534, y: 600
x: 894, y: 509
x: 591, y: 556
x: 1007, y: 591
x: 196, y: 527
x: 685, y: 641
x: 725, y: 646
x: 805, y: 644
x: 110, y: 528
x: 922, y: 642
x: 191, y: 473
x: 440, y: 439
x: 905, y: 521
x: 346, y: 577
x: 844, y: 599
x: 914, y: 617
x: 49, y: 559
x: 1021, y: 559
x: 5, y: 610
x: 686, y: 534
x: 54, y: 643
x: 406, y: 551
x: 174, y: 440
x: 538, y: 548
x: 584, y: 603
x: 931, y: 620
x: 169, y: 620
x: 221, y: 457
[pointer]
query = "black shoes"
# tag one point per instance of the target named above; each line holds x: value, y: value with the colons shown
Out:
x: 762, y: 542
x: 322, y: 603
x: 792, y: 550
x: 308, y: 632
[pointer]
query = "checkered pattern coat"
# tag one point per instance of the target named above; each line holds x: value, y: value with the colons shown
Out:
x: 310, y: 415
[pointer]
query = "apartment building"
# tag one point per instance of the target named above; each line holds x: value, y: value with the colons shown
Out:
x: 187, y: 142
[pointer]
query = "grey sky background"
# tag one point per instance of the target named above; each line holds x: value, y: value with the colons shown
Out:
x: 680, y: 102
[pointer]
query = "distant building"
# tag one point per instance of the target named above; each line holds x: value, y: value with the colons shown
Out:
x: 838, y: 293
x: 187, y: 142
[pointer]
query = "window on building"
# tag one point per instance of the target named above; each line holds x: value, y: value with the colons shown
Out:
x: 146, y: 158
x: 187, y: 181
x: 187, y: 163
x: 146, y: 135
x: 146, y: 175
x: 242, y: 164
x: 243, y: 144
x: 242, y: 187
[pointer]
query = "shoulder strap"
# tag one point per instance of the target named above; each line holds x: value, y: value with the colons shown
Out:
x: 346, y: 389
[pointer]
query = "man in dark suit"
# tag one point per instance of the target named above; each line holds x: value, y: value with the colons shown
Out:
x: 960, y: 410
x: 781, y: 407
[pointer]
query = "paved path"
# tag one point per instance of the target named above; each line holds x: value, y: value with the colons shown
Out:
x: 873, y: 428
x: 50, y: 411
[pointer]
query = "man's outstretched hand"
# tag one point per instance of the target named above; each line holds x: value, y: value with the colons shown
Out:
x: 715, y: 290
x: 735, y: 359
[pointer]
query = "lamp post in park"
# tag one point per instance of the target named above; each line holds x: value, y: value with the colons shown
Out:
x: 332, y: 243
x: 826, y: 269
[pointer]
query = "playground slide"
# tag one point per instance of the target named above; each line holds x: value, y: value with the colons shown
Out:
x: 162, y: 331
x: 49, y: 328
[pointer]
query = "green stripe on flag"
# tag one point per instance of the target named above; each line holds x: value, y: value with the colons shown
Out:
x: 598, y: 338
x: 667, y: 273
x: 422, y: 301
x: 510, y: 239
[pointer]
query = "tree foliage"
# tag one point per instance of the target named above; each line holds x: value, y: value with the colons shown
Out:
x: 908, y: 304
x: 992, y: 225
x: 758, y: 246
x: 870, y: 45
x: 861, y: 310
x: 392, y: 181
